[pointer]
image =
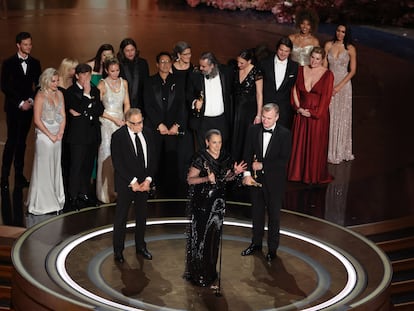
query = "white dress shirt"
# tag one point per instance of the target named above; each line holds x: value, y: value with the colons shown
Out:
x: 214, y: 105
x: 280, y: 71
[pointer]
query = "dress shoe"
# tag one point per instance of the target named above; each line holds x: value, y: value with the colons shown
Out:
x: 251, y: 249
x: 145, y: 253
x: 119, y: 257
x: 271, y: 255
x: 21, y: 182
x: 4, y: 184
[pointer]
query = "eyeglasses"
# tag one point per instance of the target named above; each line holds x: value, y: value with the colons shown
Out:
x: 165, y: 61
x: 136, y: 123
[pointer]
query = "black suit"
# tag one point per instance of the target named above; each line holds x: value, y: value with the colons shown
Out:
x: 17, y: 86
x: 200, y: 123
x: 282, y: 95
x: 83, y: 136
x: 135, y: 72
x: 164, y: 102
x: 273, y: 180
x: 127, y: 165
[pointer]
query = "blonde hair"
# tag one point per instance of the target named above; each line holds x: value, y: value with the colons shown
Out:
x: 64, y: 70
x: 46, y: 77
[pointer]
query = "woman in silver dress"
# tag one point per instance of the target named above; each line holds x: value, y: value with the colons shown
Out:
x: 342, y: 61
x: 115, y: 98
x: 46, y: 193
x: 304, y: 41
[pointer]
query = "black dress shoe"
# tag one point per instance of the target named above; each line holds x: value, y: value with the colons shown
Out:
x: 271, y: 255
x: 251, y: 249
x: 145, y: 253
x: 4, y: 184
x: 119, y: 257
x: 21, y: 182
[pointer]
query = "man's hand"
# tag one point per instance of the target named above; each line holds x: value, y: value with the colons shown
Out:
x: 198, y: 104
x: 27, y: 105
x: 249, y: 181
x: 257, y: 166
x: 162, y: 129
x: 144, y: 186
x: 174, y: 129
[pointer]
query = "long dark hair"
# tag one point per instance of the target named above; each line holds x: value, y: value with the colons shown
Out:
x: 348, y: 35
x: 124, y: 43
x: 97, y: 58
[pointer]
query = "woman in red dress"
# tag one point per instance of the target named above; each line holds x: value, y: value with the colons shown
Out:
x: 311, y: 96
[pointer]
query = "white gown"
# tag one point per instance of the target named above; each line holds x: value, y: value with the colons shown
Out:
x: 46, y: 193
x: 113, y: 103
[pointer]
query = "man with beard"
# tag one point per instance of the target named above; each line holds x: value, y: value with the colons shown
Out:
x: 209, y: 94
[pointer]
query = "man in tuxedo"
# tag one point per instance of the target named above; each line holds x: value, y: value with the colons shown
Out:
x: 19, y: 78
x: 267, y: 151
x: 134, y: 69
x: 134, y: 160
x: 209, y: 94
x: 83, y: 134
x: 279, y: 76
x: 164, y: 103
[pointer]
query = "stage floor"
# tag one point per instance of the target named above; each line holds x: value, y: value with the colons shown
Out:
x: 319, y: 265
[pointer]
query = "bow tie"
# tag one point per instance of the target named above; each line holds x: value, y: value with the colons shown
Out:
x: 270, y: 131
x: 207, y: 77
x: 22, y: 60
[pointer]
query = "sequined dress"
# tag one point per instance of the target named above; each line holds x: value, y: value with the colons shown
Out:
x: 340, y: 110
x: 113, y: 102
x: 245, y: 109
x: 301, y: 55
x: 206, y: 208
x: 46, y: 193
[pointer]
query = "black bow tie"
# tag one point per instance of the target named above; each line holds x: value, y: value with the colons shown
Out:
x: 22, y: 60
x: 207, y: 77
x: 267, y: 131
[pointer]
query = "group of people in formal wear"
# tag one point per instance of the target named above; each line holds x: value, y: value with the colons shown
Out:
x: 258, y: 121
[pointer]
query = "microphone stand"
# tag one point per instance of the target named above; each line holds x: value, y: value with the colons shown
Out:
x: 218, y: 288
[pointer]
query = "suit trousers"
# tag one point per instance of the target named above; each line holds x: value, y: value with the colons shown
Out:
x: 262, y: 199
x: 82, y: 159
x: 18, y: 126
x: 124, y: 201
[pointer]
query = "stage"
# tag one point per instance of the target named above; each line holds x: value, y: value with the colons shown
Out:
x: 320, y: 265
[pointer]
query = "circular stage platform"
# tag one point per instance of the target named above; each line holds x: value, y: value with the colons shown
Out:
x: 67, y: 262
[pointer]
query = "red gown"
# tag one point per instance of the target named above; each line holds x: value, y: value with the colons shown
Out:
x: 309, y: 159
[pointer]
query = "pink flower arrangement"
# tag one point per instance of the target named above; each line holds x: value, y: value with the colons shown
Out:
x: 400, y: 12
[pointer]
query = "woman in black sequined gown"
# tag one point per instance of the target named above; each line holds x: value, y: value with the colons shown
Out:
x: 248, y: 100
x: 210, y: 170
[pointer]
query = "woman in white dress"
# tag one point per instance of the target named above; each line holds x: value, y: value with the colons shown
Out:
x: 304, y: 41
x: 46, y: 193
x: 342, y: 61
x: 115, y: 98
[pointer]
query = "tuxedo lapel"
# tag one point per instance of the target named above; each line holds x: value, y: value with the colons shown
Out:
x: 288, y: 72
x: 259, y: 154
x: 158, y: 94
x: 171, y: 96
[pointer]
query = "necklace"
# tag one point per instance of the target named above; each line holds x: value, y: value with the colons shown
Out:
x: 115, y: 86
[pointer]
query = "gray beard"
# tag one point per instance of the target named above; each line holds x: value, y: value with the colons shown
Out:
x: 214, y: 72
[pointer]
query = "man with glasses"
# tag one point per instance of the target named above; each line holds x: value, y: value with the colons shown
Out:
x: 164, y: 105
x: 134, y: 160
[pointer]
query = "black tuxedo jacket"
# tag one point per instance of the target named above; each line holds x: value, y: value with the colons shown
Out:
x: 281, y: 96
x: 156, y: 111
x: 15, y: 84
x: 86, y: 128
x: 196, y: 86
x: 136, y: 74
x: 127, y: 164
x: 273, y: 174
